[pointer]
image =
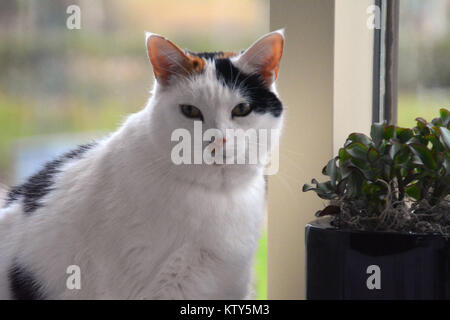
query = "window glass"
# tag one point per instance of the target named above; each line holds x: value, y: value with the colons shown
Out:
x: 424, y: 59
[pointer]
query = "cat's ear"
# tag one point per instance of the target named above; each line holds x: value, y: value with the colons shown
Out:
x: 169, y: 60
x: 264, y: 56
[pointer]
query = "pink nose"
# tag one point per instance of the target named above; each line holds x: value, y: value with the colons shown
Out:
x: 221, y: 142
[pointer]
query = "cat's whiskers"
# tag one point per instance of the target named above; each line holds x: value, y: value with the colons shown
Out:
x: 282, y: 148
x: 283, y: 179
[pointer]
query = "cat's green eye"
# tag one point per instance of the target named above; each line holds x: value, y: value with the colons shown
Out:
x: 241, y: 110
x: 191, y: 111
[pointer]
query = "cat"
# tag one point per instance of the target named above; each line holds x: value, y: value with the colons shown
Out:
x: 118, y: 219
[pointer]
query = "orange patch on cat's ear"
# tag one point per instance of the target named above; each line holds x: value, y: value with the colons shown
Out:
x: 196, y: 64
x: 168, y: 60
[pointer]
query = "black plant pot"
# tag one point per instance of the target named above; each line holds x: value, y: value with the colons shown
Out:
x: 344, y: 264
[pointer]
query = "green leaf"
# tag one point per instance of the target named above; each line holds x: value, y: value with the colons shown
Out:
x: 446, y: 164
x: 387, y: 172
x: 403, y: 159
x: 445, y: 136
x: 329, y: 210
x: 421, y: 122
x: 395, y: 148
x: 372, y: 154
x: 342, y: 185
x: 410, y: 177
x: 404, y: 134
x: 377, y: 132
x: 307, y: 187
x: 389, y: 132
x: 403, y: 172
x: 324, y: 190
x: 370, y: 188
x: 331, y: 170
x: 402, y: 156
x: 343, y: 156
x: 415, y: 140
x: 346, y: 170
x: 361, y: 138
x: 354, y: 185
x: 437, y: 122
x: 366, y: 171
x: 422, y: 126
x: 445, y: 116
x: 424, y: 154
x: 434, y: 140
x: 413, y: 191
x: 357, y: 150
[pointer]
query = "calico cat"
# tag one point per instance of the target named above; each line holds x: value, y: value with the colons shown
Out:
x: 131, y: 222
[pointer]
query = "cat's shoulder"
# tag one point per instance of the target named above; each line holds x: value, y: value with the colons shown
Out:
x: 40, y: 184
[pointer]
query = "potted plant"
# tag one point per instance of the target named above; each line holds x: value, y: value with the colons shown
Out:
x: 385, y: 233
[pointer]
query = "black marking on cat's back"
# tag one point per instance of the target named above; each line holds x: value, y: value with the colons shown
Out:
x: 40, y: 184
x: 251, y: 86
x: 23, y: 284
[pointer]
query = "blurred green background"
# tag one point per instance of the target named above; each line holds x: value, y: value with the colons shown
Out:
x: 73, y: 85
x: 424, y: 59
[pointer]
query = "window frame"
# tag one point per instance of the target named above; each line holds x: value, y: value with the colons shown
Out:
x: 385, y: 63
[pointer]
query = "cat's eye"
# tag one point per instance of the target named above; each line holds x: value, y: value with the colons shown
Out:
x: 191, y: 111
x: 241, y: 110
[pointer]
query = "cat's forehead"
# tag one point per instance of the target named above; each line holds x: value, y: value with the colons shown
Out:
x: 216, y: 75
x: 199, y: 61
x: 208, y: 86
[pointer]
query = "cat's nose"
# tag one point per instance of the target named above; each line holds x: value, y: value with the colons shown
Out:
x: 221, y: 142
x: 218, y: 144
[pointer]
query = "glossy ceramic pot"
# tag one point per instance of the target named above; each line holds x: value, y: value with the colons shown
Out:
x: 345, y: 264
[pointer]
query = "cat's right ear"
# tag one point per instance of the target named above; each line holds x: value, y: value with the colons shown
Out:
x: 167, y: 59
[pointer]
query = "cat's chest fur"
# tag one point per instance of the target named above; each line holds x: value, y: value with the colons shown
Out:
x: 200, y: 234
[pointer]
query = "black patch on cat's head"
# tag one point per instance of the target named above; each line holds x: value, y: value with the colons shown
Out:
x: 251, y: 86
x: 39, y: 185
x: 23, y: 285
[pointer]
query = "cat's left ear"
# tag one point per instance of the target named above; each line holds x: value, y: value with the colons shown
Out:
x: 264, y: 56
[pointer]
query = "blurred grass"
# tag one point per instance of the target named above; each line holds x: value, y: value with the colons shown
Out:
x: 411, y: 106
x: 260, y: 267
